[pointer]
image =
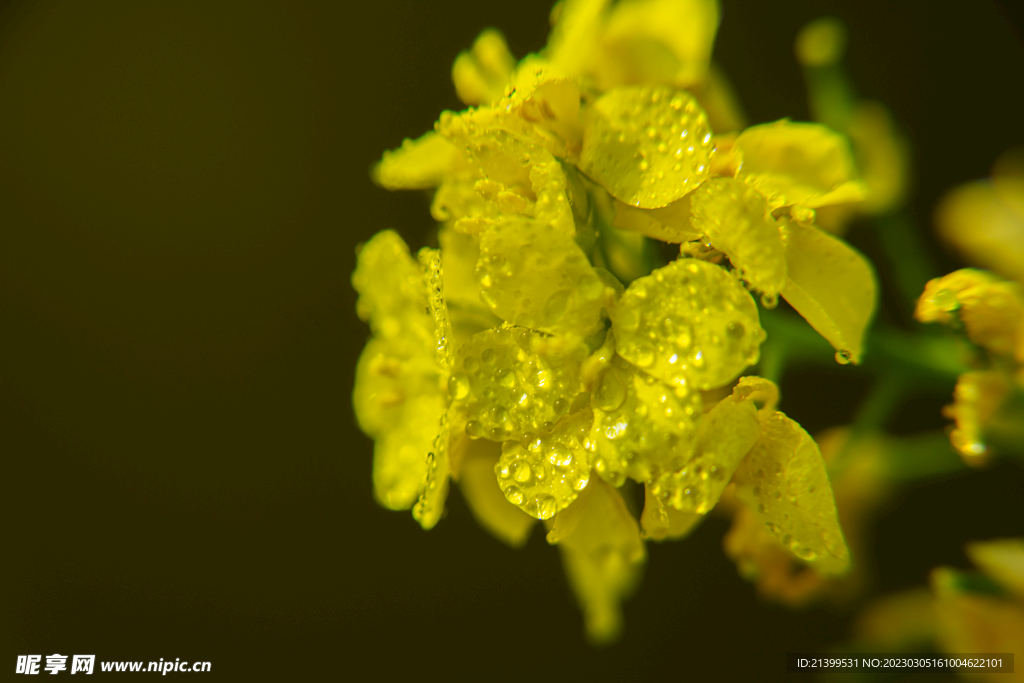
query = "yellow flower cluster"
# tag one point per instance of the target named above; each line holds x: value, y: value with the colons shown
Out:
x: 965, y: 611
x: 538, y: 359
x: 985, y: 221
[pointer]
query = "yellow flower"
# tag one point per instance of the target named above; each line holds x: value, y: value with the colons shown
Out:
x: 986, y: 222
x: 881, y: 152
x: 756, y: 206
x: 542, y: 360
x: 965, y: 612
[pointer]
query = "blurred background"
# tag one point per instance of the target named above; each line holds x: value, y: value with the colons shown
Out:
x: 182, y: 186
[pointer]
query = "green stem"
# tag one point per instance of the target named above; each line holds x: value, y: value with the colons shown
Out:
x: 907, y: 254
x: 628, y: 255
x: 884, y: 398
x: 927, y: 359
x: 921, y: 456
x: 829, y: 95
x: 773, y: 361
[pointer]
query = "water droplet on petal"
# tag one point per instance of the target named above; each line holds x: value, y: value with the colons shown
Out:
x: 514, y: 495
x: 610, y: 392
x: 458, y: 386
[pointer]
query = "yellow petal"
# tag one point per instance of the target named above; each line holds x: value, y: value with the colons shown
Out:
x: 1003, y: 560
x: 831, y: 286
x: 759, y: 390
x: 576, y: 28
x: 897, y: 623
x: 660, y: 523
x: 642, y: 426
x: 883, y: 156
x: 603, y: 555
x: 667, y: 224
x: 400, y: 463
x: 514, y: 383
x: 459, y: 255
x: 943, y: 296
x: 539, y: 278
x: 976, y: 623
x: 504, y: 521
x: 399, y: 362
x: 737, y: 221
x: 798, y: 163
x: 986, y: 225
x: 416, y: 165
x: 991, y: 310
x: 648, y: 146
x: 546, y: 474
x: 482, y: 74
x: 508, y: 173
x: 392, y: 292
x: 388, y: 373
x: 1008, y: 178
x: 657, y: 41
x: 976, y: 400
x: 783, y: 480
x: 398, y: 397
x: 760, y: 558
x: 724, y: 436
x: 434, y: 487
x: 689, y: 321
x: 551, y: 104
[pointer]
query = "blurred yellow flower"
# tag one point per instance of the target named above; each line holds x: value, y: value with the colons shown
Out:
x: 985, y: 220
x: 964, y: 612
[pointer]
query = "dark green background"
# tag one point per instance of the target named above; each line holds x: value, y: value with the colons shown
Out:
x: 182, y: 186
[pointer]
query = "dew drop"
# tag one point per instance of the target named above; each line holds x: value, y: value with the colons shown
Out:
x: 610, y: 393
x: 556, y: 305
x: 458, y: 386
x: 488, y: 356
x: 560, y: 406
x: 542, y: 506
x: 843, y: 357
x: 644, y: 356
x: 559, y: 455
x: 498, y: 414
x: 514, y: 495
x: 474, y: 429
x: 806, y: 554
